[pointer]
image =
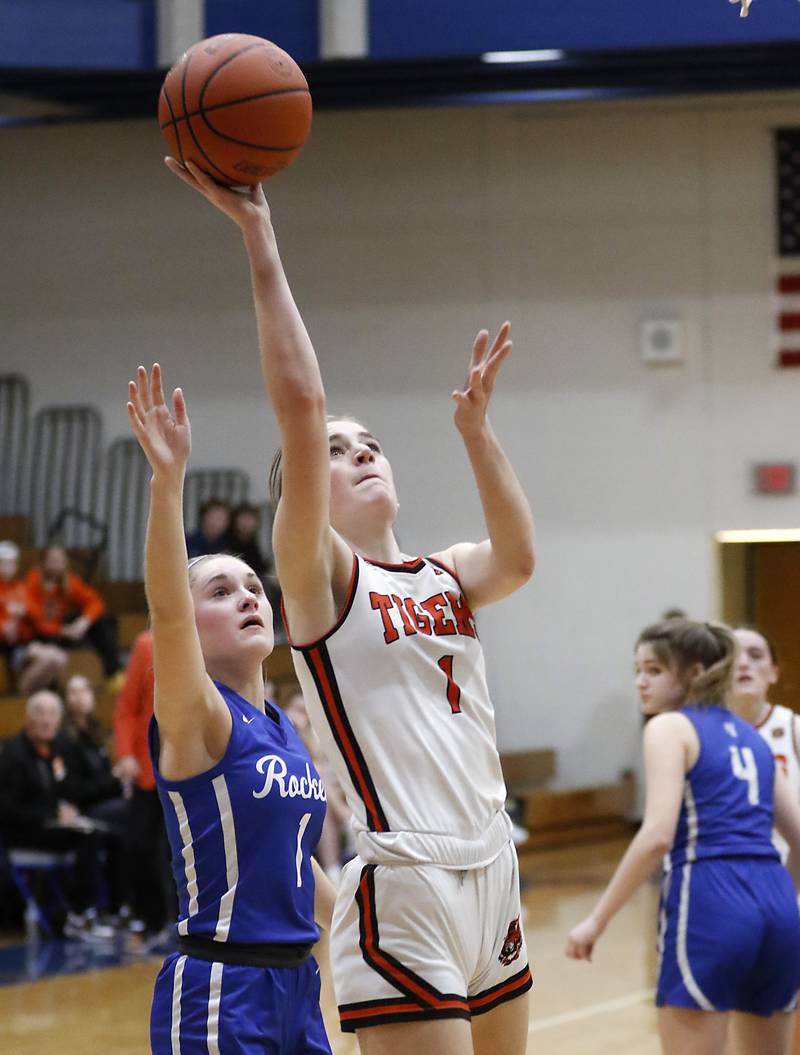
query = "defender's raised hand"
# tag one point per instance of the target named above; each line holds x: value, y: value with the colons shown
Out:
x: 164, y: 436
x: 472, y: 402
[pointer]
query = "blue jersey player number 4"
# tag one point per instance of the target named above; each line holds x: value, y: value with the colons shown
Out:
x: 729, y: 931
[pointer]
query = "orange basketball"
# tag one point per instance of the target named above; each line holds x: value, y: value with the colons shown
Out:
x: 237, y: 106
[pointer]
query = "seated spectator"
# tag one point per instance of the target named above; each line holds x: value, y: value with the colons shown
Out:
x: 333, y: 842
x: 34, y: 663
x: 241, y: 538
x: 65, y: 610
x: 214, y: 518
x: 97, y: 791
x: 97, y: 784
x: 38, y: 797
x: 153, y: 893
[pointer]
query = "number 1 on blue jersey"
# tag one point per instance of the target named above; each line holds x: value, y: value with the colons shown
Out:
x: 298, y: 859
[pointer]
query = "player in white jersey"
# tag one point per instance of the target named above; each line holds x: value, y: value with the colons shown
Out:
x: 756, y: 671
x: 427, y: 948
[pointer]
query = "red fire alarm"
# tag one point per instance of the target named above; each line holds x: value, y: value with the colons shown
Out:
x: 775, y: 478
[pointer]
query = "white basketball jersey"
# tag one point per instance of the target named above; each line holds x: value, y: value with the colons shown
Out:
x: 781, y: 730
x: 397, y: 695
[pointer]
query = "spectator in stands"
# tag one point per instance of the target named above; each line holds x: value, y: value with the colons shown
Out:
x: 209, y: 537
x: 241, y: 538
x: 98, y: 784
x: 98, y: 791
x: 154, y: 899
x: 65, y: 610
x: 39, y: 792
x: 334, y: 843
x: 35, y: 663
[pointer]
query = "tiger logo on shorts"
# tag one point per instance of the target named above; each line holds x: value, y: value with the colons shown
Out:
x: 511, y: 944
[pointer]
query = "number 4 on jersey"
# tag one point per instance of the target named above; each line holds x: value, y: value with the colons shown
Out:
x: 743, y: 764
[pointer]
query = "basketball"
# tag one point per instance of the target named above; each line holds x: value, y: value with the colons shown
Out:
x: 237, y: 106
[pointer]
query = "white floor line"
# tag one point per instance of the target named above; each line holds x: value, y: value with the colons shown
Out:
x: 642, y: 997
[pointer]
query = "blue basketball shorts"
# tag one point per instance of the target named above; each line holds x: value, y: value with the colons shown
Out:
x: 729, y: 937
x: 202, y: 1008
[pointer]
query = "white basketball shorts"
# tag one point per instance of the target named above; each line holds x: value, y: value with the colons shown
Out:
x: 413, y: 942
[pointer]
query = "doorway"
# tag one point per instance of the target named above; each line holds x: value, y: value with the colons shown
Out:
x: 759, y: 575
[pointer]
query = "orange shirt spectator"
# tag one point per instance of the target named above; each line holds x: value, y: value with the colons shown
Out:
x: 53, y: 601
x: 133, y: 711
x: 14, y: 626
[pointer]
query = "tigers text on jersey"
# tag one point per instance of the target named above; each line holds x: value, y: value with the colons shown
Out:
x: 243, y: 832
x: 728, y: 793
x: 396, y: 692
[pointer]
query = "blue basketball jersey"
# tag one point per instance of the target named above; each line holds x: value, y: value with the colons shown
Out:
x: 243, y: 832
x: 728, y: 793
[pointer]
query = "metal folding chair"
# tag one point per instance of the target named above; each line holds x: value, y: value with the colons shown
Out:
x: 50, y: 865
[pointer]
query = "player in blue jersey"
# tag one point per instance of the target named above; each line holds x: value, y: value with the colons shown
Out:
x: 243, y: 802
x: 729, y: 932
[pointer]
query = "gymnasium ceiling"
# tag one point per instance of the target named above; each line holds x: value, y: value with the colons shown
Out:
x: 67, y: 60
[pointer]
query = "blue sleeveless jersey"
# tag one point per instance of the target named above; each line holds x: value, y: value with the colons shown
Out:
x: 243, y: 832
x: 727, y: 794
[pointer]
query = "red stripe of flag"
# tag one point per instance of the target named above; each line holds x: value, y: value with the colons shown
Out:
x: 789, y: 320
x: 789, y: 284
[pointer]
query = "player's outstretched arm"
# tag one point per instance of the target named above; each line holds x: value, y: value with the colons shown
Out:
x: 191, y: 714
x: 491, y: 569
x: 304, y: 544
x: 666, y: 743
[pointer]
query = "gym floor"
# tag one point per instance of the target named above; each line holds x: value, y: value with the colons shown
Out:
x: 64, y: 998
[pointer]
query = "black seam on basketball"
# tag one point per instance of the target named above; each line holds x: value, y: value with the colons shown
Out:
x: 168, y: 101
x: 223, y: 64
x: 234, y: 102
x: 225, y: 175
x: 191, y: 131
x: 244, y: 142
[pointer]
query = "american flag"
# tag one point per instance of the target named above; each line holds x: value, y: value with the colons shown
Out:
x: 787, y: 165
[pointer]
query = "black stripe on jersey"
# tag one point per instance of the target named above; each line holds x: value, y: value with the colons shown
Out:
x: 443, y: 567
x: 396, y: 1009
x: 342, y: 732
x: 394, y: 972
x: 340, y: 618
x: 409, y: 567
x: 509, y: 989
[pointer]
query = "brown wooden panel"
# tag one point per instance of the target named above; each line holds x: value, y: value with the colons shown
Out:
x: 776, y: 610
x: 526, y: 770
x: 735, y: 600
x: 129, y: 626
x: 15, y: 527
x: 12, y: 714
